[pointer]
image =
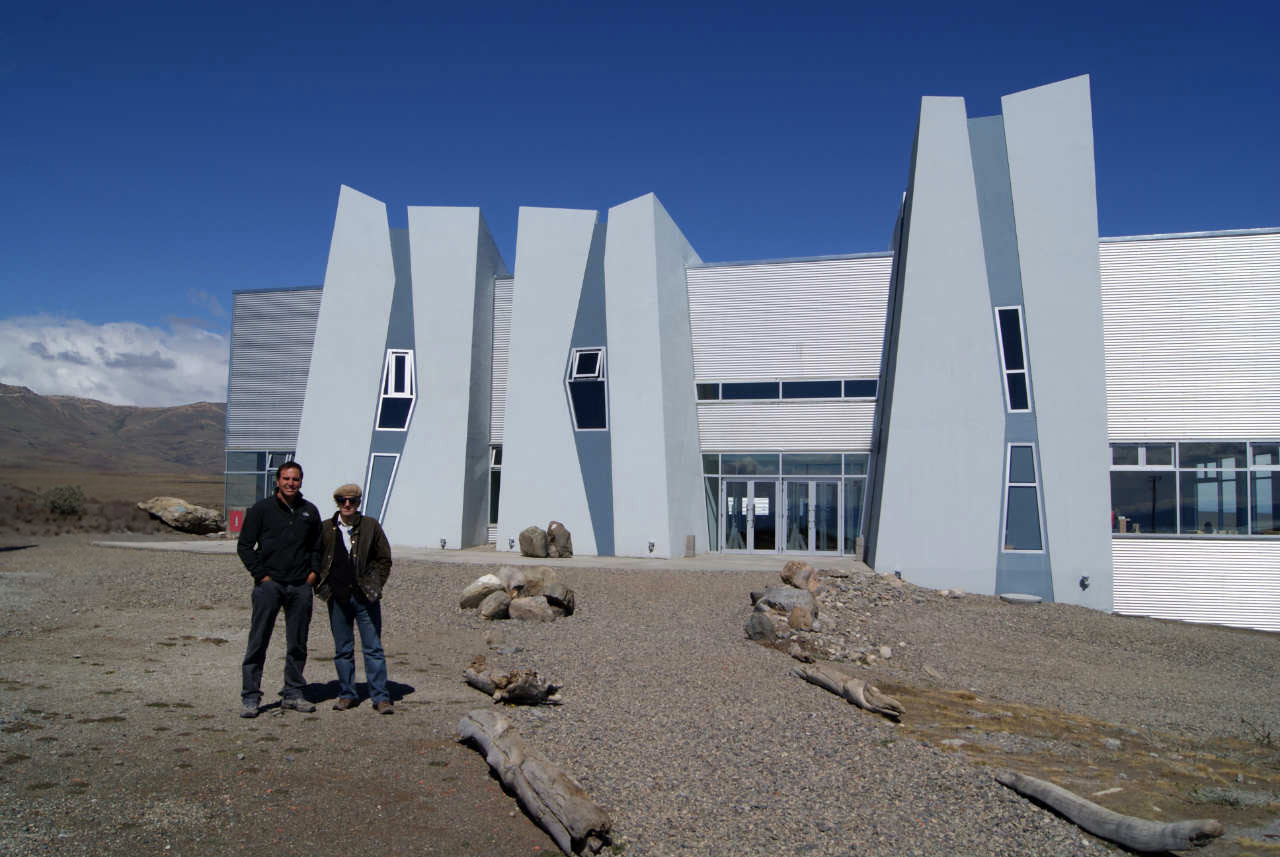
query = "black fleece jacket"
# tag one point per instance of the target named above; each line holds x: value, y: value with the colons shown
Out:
x: 279, y: 540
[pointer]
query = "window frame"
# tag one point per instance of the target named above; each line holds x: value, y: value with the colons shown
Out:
x: 601, y: 377
x: 576, y: 354
x: 1005, y: 371
x: 1004, y: 506
x: 409, y: 392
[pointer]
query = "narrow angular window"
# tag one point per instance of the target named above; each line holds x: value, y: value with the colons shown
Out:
x: 1022, y: 500
x: 1013, y: 359
x: 586, y: 381
x: 395, y: 406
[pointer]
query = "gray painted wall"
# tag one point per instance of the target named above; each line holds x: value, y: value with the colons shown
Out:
x: 346, y: 362
x: 541, y: 477
x: 943, y: 460
x: 657, y: 484
x: 1049, y: 135
x: 443, y: 470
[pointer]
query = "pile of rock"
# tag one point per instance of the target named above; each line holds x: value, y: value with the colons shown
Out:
x: 555, y: 541
x: 513, y: 593
x: 779, y: 609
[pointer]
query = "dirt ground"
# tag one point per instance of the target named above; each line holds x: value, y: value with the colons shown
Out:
x: 119, y: 732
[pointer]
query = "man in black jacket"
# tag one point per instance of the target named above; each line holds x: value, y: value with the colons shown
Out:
x: 280, y: 545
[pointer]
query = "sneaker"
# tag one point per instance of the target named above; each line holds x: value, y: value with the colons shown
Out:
x: 297, y: 703
x: 344, y: 703
x: 249, y: 708
x: 384, y: 707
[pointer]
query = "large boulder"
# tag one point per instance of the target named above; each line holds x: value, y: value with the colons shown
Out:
x: 559, y: 541
x: 533, y: 541
x: 560, y: 597
x: 761, y: 626
x: 479, y: 589
x: 784, y: 599
x: 800, y: 575
x: 536, y: 609
x: 537, y: 579
x: 513, y: 580
x: 495, y: 605
x: 183, y: 516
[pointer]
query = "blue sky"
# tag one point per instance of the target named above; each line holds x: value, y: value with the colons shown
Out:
x: 157, y: 157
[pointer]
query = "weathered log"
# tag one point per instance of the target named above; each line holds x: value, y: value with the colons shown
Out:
x: 857, y: 691
x: 552, y: 798
x: 1135, y: 833
x: 517, y: 687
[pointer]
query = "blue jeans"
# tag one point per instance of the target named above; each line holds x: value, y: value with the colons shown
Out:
x: 267, y: 599
x: 343, y: 614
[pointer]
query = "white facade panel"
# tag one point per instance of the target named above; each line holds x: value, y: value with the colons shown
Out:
x: 810, y: 426
x: 790, y: 320
x: 1192, y: 336
x: 272, y: 334
x: 1216, y: 581
x: 502, y: 294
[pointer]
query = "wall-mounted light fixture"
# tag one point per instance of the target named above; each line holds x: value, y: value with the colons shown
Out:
x: 1084, y: 582
x: 511, y: 544
x: 442, y: 543
x: 650, y: 547
x: 897, y: 574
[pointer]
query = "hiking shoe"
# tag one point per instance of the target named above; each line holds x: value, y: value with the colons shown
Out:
x: 297, y: 703
x: 248, y: 709
x: 344, y: 703
x: 384, y: 707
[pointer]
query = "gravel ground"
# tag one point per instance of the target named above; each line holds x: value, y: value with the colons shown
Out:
x: 696, y: 740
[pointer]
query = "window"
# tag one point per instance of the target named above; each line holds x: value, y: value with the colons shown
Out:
x: 395, y: 405
x: 750, y: 390
x: 378, y: 483
x: 864, y: 388
x: 588, y: 395
x: 1022, y: 501
x: 1013, y: 362
x: 495, y: 481
x: 708, y: 392
x: 850, y: 388
x: 251, y: 475
x: 811, y: 389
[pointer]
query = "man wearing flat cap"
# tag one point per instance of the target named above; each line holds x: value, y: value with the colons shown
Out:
x: 355, y: 564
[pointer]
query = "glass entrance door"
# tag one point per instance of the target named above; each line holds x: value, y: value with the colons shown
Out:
x: 812, y: 511
x: 750, y: 515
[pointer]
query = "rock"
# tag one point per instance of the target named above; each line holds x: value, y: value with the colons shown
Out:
x: 1019, y: 598
x: 535, y: 609
x: 800, y: 575
x: 479, y: 589
x: 513, y: 580
x: 759, y: 627
x: 560, y: 596
x: 800, y: 654
x: 553, y: 552
x: 800, y: 618
x: 494, y: 639
x: 886, y: 652
x: 537, y: 579
x: 1112, y: 743
x: 784, y: 599
x: 931, y: 672
x: 495, y: 605
x: 953, y: 742
x: 558, y: 536
x: 955, y: 593
x: 183, y: 516
x: 533, y: 542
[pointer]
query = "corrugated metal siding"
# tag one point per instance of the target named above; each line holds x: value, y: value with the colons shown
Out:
x: 271, y: 337
x: 1192, y: 336
x: 803, y: 319
x: 502, y: 293
x: 1217, y: 581
x: 799, y: 426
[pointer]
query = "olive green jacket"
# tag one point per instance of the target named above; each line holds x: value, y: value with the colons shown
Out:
x: 370, y: 554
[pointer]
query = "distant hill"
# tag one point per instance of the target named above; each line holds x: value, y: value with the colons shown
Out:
x: 66, y: 433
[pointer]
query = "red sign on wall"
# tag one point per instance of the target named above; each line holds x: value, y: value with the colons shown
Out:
x: 235, y: 520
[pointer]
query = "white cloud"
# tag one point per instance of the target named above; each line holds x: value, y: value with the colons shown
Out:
x: 119, y: 362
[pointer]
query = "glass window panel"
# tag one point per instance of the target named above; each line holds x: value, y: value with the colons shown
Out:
x: 1266, y: 502
x: 1011, y: 338
x: 401, y: 384
x: 1213, y: 501
x: 588, y: 364
x: 802, y: 463
x: 497, y: 456
x: 811, y: 389
x: 744, y: 464
x: 381, y: 470
x: 1224, y: 455
x: 1124, y: 454
x: 1022, y: 519
x: 1022, y: 465
x: 826, y: 516
x: 764, y: 521
x: 1144, y: 502
x: 750, y: 390
x: 246, y: 461
x: 244, y: 489
x: 1159, y: 455
x: 855, y: 463
x: 797, y: 496
x: 275, y: 459
x: 1266, y: 454
x: 1019, y: 398
x: 712, y: 490
x: 495, y: 485
x: 710, y: 464
x: 708, y: 392
x: 588, y: 404
x: 735, y: 515
x: 853, y: 491
x: 864, y: 388
x: 394, y: 413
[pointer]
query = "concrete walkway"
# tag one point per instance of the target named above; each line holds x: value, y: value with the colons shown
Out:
x: 487, y: 555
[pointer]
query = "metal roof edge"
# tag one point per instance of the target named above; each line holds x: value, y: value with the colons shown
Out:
x: 1211, y: 233
x: 834, y: 257
x: 235, y: 292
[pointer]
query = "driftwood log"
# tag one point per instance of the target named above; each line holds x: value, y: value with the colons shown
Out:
x: 1137, y: 834
x: 517, y: 687
x: 857, y: 691
x: 552, y: 798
